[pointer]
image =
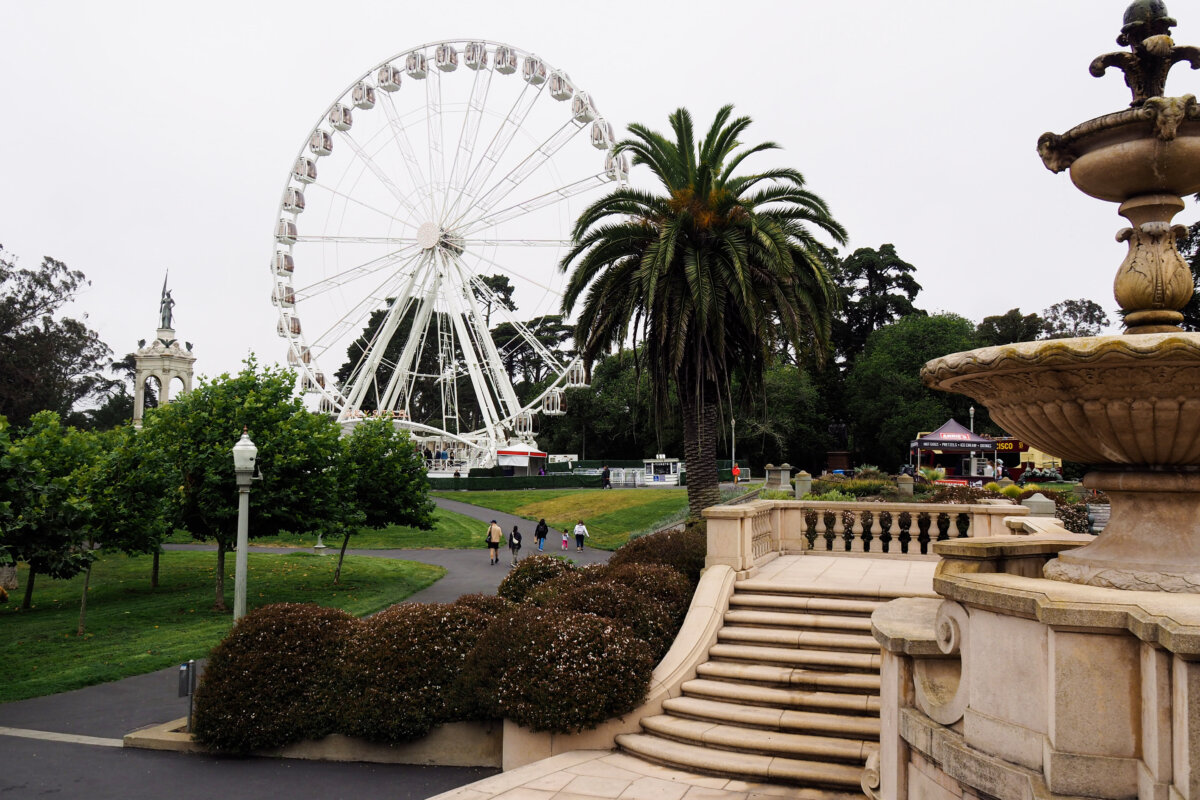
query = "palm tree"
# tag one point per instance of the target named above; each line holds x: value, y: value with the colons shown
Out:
x: 703, y: 278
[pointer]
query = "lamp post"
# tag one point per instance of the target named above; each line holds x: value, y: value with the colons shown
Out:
x: 244, y: 456
x: 732, y: 443
x: 971, y: 411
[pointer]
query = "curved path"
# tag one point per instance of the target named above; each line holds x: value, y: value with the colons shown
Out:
x: 69, y: 744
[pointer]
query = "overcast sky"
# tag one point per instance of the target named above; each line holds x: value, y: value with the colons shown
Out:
x: 141, y: 137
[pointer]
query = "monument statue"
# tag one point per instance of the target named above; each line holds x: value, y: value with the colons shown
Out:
x: 164, y: 307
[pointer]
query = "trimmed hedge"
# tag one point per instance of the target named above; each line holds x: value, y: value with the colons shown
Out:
x: 551, y: 481
x: 554, y: 672
x: 578, y: 650
x: 683, y: 550
x: 274, y: 679
x: 402, y: 666
x: 530, y: 573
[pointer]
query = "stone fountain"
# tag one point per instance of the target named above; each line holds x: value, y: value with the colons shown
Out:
x: 1128, y: 405
x: 1059, y: 665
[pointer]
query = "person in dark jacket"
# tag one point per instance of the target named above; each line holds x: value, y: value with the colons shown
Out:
x: 540, y: 533
x: 514, y: 544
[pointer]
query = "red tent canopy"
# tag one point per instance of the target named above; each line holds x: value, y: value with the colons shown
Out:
x: 954, y: 437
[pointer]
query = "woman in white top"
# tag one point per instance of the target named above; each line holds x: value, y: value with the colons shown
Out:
x: 581, y: 532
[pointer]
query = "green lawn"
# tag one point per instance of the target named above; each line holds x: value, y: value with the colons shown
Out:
x: 611, y: 515
x: 132, y: 629
x: 451, y: 531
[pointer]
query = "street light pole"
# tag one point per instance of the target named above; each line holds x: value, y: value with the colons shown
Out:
x: 244, y: 456
x: 972, y: 412
x: 732, y: 443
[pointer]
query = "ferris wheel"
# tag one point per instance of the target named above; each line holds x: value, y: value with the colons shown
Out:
x: 433, y: 171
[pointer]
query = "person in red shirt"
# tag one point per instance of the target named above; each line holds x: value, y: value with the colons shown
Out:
x: 737, y: 472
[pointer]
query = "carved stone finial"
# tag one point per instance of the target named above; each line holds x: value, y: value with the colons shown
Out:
x: 1146, y: 32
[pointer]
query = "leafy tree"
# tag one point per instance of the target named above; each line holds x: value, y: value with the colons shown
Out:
x: 877, y: 288
x: 888, y: 403
x: 500, y: 293
x: 1009, y: 327
x: 522, y: 360
x: 1072, y: 318
x: 50, y: 517
x: 1189, y: 248
x: 129, y: 489
x: 298, y: 452
x: 612, y: 418
x: 46, y: 363
x: 783, y: 421
x: 709, y: 274
x: 382, y: 480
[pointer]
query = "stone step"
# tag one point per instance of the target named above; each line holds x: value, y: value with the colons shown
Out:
x: 809, y: 640
x: 814, y: 722
x: 760, y: 586
x: 792, y: 619
x: 763, y: 742
x: 825, y: 605
x: 751, y: 694
x: 861, y: 662
x: 755, y: 767
x: 789, y: 676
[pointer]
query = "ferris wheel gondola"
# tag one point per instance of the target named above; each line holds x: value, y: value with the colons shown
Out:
x: 418, y: 181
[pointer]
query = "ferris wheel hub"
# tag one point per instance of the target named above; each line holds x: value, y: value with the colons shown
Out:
x: 428, y: 235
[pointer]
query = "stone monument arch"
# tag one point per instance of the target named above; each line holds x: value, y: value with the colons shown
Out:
x: 162, y: 359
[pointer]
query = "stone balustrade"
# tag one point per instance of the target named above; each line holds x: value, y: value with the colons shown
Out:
x: 748, y: 535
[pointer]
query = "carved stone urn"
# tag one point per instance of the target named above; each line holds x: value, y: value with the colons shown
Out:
x: 1128, y: 405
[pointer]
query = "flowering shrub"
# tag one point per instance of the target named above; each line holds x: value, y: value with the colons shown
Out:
x: 529, y: 573
x: 551, y: 671
x: 274, y: 679
x: 401, y: 667
x: 684, y: 550
x: 659, y: 581
x: 648, y: 619
x: 964, y: 494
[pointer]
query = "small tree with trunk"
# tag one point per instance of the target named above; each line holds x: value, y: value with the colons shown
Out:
x: 298, y: 454
x: 381, y: 477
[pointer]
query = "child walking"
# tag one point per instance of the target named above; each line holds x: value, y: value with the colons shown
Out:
x: 564, y: 547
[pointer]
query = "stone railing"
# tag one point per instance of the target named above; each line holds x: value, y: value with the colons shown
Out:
x: 748, y: 535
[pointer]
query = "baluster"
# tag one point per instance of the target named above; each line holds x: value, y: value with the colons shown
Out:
x: 810, y: 527
x: 822, y: 530
x: 885, y: 523
x: 923, y: 523
x: 839, y: 527
x: 943, y: 526
x: 831, y: 521
x: 870, y: 522
x: 905, y: 531
x: 963, y: 523
x: 854, y: 529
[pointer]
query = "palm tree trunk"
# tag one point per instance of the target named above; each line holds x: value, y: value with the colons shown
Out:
x: 219, y: 605
x: 700, y: 452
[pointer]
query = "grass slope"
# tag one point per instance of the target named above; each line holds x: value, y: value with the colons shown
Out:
x: 611, y: 515
x: 132, y: 629
x: 451, y: 531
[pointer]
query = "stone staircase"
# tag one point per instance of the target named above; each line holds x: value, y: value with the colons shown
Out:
x: 789, y: 694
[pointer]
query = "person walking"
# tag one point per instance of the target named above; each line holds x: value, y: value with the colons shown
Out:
x: 606, y: 478
x: 737, y: 473
x: 564, y: 547
x: 540, y: 533
x: 581, y: 532
x: 494, y: 536
x: 514, y: 544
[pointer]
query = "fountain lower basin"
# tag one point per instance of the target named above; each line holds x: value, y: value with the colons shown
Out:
x: 1130, y: 407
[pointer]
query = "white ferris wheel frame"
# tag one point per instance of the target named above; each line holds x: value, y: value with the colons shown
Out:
x: 445, y: 215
